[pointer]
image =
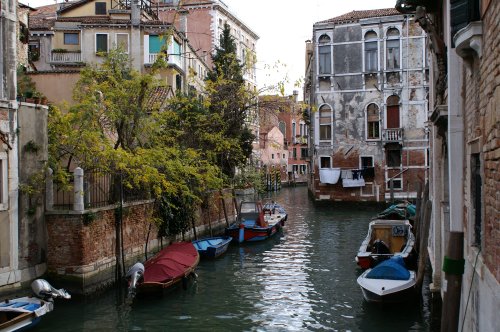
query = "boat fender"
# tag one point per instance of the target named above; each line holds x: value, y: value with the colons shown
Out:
x: 241, y: 235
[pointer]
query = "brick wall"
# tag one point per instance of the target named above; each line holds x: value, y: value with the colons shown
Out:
x: 489, y: 106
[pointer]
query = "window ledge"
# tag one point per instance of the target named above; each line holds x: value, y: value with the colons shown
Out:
x: 469, y: 39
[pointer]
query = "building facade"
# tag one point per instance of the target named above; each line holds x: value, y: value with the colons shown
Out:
x: 10, y: 272
x: 66, y: 36
x: 366, y: 86
x: 464, y: 100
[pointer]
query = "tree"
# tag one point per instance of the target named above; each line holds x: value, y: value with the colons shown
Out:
x: 115, y: 127
x: 229, y: 102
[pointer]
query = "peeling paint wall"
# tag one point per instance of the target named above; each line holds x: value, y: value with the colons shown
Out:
x: 348, y: 91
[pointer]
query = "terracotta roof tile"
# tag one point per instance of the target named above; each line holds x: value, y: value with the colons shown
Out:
x: 43, y: 17
x: 356, y: 15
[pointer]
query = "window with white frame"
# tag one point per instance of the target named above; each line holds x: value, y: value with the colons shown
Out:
x: 325, y: 55
x: 122, y: 41
x: 392, y: 49
x: 371, y: 51
x: 325, y: 162
x: 4, y: 185
x: 325, y: 123
x: 101, y: 42
x: 372, y: 121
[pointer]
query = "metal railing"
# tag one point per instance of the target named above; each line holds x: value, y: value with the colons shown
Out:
x: 93, y: 189
x: 66, y: 57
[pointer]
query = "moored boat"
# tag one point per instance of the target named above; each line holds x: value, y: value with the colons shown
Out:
x: 385, y: 239
x: 171, y: 266
x: 388, y: 282
x: 255, y: 224
x: 212, y: 247
x: 25, y: 312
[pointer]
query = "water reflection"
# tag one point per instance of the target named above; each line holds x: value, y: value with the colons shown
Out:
x: 302, y: 279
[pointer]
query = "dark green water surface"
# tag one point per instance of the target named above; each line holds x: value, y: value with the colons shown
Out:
x: 303, y: 279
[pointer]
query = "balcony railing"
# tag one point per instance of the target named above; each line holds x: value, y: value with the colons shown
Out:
x: 392, y: 135
x: 66, y: 57
x: 173, y: 59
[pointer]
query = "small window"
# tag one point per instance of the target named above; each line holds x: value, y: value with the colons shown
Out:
x: 394, y: 158
x: 371, y: 51
x: 101, y: 42
x: 324, y: 162
x: 294, y: 153
x: 282, y: 127
x: 476, y: 185
x: 71, y: 39
x: 178, y: 82
x: 122, y: 41
x: 4, y: 203
x: 392, y: 49
x: 304, y: 153
x: 272, y: 155
x: 372, y: 121
x: 325, y: 123
x: 325, y: 55
x: 284, y: 156
x: 100, y: 8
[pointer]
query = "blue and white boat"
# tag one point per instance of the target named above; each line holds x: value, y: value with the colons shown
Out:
x: 389, y: 281
x: 212, y: 247
x: 25, y: 312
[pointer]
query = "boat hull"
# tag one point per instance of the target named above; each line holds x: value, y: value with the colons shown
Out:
x: 387, y: 290
x: 172, y: 266
x: 22, y: 313
x: 386, y: 238
x: 212, y: 247
x: 252, y: 234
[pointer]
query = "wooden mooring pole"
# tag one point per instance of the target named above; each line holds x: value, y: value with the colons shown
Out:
x: 424, y: 235
x: 453, y: 266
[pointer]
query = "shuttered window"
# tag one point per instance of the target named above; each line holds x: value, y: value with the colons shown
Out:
x: 101, y: 42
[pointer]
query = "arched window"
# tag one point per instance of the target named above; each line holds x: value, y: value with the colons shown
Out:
x: 392, y: 46
x: 282, y: 128
x: 325, y: 123
x: 371, y: 51
x: 372, y: 121
x: 393, y: 112
x: 324, y: 55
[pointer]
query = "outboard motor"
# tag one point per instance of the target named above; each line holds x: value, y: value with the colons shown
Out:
x: 134, y: 274
x: 45, y: 291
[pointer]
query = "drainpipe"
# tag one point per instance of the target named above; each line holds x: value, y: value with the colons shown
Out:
x: 135, y: 38
x: 453, y: 264
x: 184, y: 51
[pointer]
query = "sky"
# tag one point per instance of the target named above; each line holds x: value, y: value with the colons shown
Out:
x: 283, y: 26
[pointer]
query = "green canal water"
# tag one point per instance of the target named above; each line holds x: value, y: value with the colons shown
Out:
x: 303, y: 279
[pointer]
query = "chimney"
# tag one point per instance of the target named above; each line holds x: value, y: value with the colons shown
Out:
x: 136, y: 13
x: 295, y: 95
x: 183, y: 13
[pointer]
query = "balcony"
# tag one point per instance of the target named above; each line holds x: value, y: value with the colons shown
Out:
x: 66, y: 57
x: 172, y: 59
x: 392, y: 135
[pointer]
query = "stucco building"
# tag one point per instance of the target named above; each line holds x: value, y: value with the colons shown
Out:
x: 66, y: 36
x: 204, y: 25
x: 367, y: 85
x: 464, y: 100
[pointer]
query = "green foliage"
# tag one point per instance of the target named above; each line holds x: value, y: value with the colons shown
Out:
x: 113, y: 126
x: 230, y: 102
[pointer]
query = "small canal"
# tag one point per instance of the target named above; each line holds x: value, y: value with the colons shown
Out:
x: 303, y: 279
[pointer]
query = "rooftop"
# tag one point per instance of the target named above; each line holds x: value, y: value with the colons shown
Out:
x: 357, y: 15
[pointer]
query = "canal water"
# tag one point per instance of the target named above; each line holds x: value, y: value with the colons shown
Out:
x: 303, y: 279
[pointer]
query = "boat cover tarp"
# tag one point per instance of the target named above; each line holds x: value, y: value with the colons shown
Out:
x: 391, y: 269
x: 399, y: 211
x: 171, y: 262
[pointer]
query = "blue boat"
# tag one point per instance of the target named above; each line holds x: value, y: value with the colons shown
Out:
x: 25, y: 312
x: 388, y: 282
x: 212, y: 247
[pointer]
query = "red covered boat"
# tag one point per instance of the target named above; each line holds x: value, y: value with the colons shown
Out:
x: 172, y: 265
